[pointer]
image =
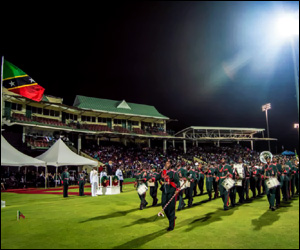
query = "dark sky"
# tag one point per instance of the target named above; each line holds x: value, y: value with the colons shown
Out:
x: 202, y: 63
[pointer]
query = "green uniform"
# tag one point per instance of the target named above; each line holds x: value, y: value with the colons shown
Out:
x: 297, y: 179
x: 154, y: 176
x: 270, y: 171
x: 278, y: 188
x: 192, y: 177
x: 170, y: 181
x: 293, y: 178
x: 259, y: 174
x: 196, y: 181
x: 201, y: 175
x: 182, y: 173
x: 284, y: 180
x: 216, y: 182
x: 81, y: 184
x: 247, y: 182
x: 222, y: 172
x: 142, y: 178
x: 253, y: 180
x: 65, y: 179
x: 210, y: 173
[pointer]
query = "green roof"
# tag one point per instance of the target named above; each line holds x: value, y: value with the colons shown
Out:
x: 120, y: 107
x: 45, y: 99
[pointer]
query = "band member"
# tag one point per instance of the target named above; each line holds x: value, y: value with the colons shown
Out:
x: 285, y: 181
x: 65, y: 181
x: 240, y: 189
x: 191, y: 176
x: 232, y: 191
x: 216, y: 181
x: 94, y: 181
x: 182, y: 173
x: 81, y: 183
x: 293, y: 178
x: 201, y: 178
x: 297, y: 176
x: 270, y: 172
x: 195, y: 168
x: 259, y: 174
x: 169, y: 184
x: 278, y: 188
x: 154, y: 177
x: 210, y: 180
x: 142, y: 178
x: 223, y: 173
x: 119, y: 173
x: 247, y: 181
x: 253, y: 179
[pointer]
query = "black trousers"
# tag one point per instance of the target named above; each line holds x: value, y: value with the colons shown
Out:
x: 121, y: 185
x: 201, y: 184
x: 66, y: 186
x: 81, y: 188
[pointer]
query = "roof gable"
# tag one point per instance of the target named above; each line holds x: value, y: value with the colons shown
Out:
x: 120, y: 107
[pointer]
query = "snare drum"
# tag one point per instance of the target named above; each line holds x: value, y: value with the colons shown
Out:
x: 151, y: 184
x: 182, y: 185
x: 142, y: 189
x: 228, y: 183
x: 272, y: 183
x: 188, y: 184
x: 238, y: 183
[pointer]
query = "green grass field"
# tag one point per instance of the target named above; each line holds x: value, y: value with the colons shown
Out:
x: 115, y: 221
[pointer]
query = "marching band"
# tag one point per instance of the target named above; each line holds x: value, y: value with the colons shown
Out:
x: 181, y: 178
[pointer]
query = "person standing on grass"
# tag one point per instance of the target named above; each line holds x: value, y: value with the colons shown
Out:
x: 120, y: 176
x: 65, y: 181
x: 94, y: 181
x: 81, y: 183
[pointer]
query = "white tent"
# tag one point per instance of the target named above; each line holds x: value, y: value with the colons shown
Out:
x: 12, y: 157
x: 60, y: 155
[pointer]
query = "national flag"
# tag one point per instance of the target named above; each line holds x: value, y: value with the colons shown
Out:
x: 19, y: 214
x: 17, y: 81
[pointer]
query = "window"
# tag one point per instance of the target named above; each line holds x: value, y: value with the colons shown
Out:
x: 46, y: 111
x: 83, y: 118
x: 33, y: 109
x: 67, y: 115
x: 75, y: 117
x: 56, y: 113
x: 101, y: 119
x: 52, y: 112
x: 134, y: 123
x: 16, y: 106
x: 39, y: 110
x: 117, y: 121
x: 93, y: 118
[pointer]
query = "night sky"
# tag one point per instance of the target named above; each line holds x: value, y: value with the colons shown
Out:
x: 202, y: 63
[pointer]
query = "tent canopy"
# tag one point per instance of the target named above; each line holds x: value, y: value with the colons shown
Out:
x: 60, y: 155
x: 14, y: 158
x: 287, y: 153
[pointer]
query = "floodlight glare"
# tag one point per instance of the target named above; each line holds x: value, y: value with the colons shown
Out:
x: 296, y: 125
x: 287, y: 25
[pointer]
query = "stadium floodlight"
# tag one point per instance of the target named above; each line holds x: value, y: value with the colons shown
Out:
x: 287, y: 25
x: 265, y: 108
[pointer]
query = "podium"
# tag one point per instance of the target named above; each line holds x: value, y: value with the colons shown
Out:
x: 109, y: 190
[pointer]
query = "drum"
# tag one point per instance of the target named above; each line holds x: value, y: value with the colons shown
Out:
x: 272, y: 183
x: 151, y: 184
x: 240, y: 170
x: 183, y: 186
x: 188, y: 184
x: 228, y: 183
x: 238, y: 183
x: 142, y: 189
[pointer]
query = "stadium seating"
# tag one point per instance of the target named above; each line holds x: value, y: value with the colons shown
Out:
x: 121, y: 129
x: 139, y: 131
x: 96, y: 127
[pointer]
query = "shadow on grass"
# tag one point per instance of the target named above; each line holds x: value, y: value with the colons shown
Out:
x: 142, y: 221
x: 112, y: 215
x: 210, y: 218
x: 138, y: 242
x: 269, y: 217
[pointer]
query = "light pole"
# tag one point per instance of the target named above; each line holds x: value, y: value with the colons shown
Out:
x: 265, y: 108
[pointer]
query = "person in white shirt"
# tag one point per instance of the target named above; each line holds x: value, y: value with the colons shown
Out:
x: 94, y: 181
x: 120, y: 176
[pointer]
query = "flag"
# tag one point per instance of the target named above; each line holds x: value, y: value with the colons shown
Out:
x: 17, y: 81
x: 19, y: 214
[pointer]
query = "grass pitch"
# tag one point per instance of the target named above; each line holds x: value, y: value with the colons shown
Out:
x: 115, y: 221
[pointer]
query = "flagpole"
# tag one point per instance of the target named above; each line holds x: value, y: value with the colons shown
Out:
x: 2, y: 62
